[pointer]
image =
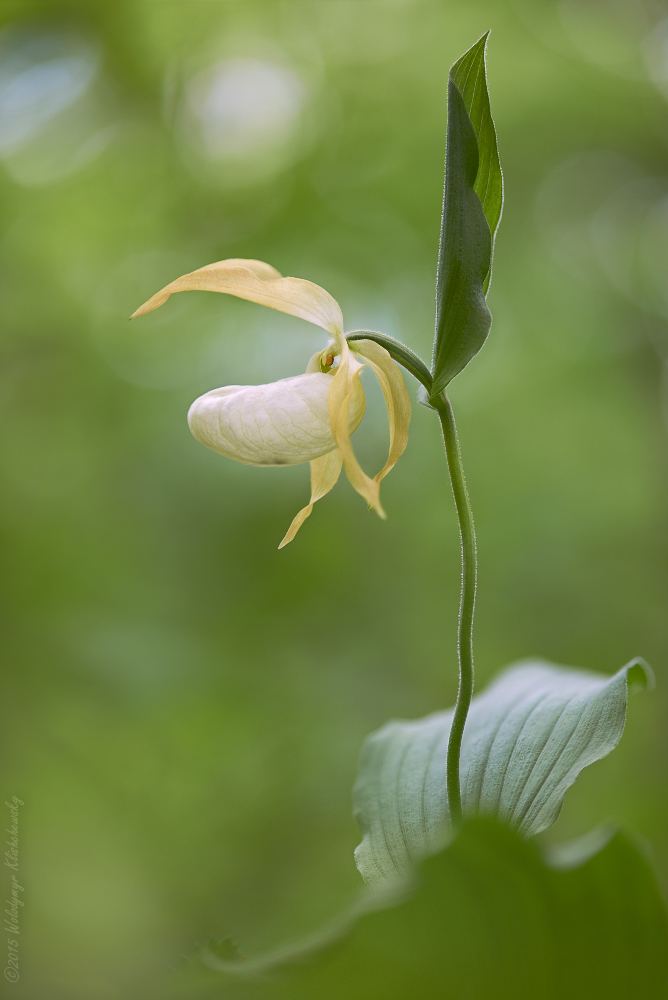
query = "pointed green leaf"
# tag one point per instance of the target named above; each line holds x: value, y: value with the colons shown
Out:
x: 472, y: 205
x: 465, y: 253
x: 470, y: 76
x: 527, y: 738
x: 488, y: 919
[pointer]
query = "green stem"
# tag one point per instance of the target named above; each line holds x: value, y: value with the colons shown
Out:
x: 404, y: 356
x: 466, y: 605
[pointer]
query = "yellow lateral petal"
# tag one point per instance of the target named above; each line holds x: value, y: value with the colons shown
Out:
x: 261, y: 283
x: 324, y: 473
x: 396, y: 398
x: 344, y: 384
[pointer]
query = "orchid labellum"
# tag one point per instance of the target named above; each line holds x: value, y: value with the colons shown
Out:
x: 305, y: 418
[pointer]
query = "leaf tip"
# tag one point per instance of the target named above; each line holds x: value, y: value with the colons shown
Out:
x: 639, y: 675
x: 574, y: 853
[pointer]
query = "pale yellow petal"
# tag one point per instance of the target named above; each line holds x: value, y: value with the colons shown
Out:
x: 345, y: 385
x: 396, y: 398
x: 324, y: 473
x: 261, y: 283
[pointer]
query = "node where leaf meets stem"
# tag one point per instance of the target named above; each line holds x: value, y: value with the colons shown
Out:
x: 466, y: 604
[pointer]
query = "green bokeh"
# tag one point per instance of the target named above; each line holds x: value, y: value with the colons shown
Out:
x: 183, y: 704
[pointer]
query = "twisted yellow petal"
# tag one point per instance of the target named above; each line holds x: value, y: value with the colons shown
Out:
x: 396, y: 399
x: 258, y: 282
x: 324, y: 473
x: 326, y: 469
x: 345, y: 384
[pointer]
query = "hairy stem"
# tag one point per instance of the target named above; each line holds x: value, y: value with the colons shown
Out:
x: 466, y: 604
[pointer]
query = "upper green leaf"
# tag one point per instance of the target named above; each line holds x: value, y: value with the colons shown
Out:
x: 471, y: 79
x: 472, y: 206
x: 489, y: 919
x: 465, y: 253
x: 527, y: 738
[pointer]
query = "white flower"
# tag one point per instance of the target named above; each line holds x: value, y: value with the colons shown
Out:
x: 305, y: 418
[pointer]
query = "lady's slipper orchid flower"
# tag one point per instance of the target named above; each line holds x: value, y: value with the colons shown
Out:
x: 305, y: 418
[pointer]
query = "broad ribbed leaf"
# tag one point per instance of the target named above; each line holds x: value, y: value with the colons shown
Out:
x: 527, y: 738
x: 489, y: 920
x: 471, y: 79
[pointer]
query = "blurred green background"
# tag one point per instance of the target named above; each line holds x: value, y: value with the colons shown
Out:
x: 183, y: 705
